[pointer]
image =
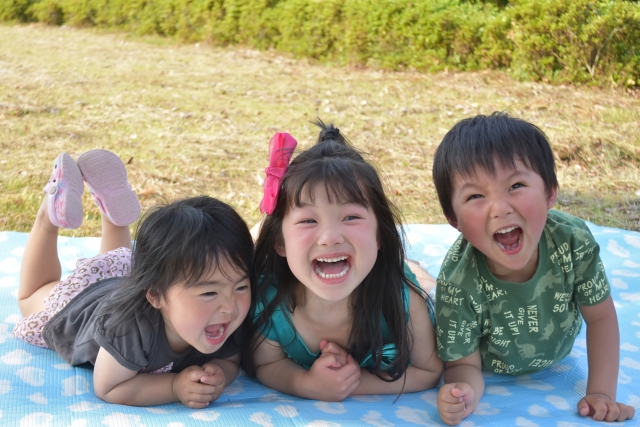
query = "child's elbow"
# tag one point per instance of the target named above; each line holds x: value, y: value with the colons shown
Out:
x: 109, y: 396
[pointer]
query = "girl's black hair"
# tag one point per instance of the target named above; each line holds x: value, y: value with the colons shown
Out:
x: 179, y: 242
x: 480, y: 142
x: 333, y: 163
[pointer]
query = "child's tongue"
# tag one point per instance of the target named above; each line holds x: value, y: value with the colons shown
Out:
x: 510, y: 239
x: 332, y: 267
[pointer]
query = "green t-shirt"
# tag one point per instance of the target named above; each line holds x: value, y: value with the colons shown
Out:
x: 519, y: 327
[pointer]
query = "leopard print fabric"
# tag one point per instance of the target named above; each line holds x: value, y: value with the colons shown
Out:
x: 114, y: 263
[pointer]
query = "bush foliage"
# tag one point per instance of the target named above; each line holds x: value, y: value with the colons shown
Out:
x: 558, y: 41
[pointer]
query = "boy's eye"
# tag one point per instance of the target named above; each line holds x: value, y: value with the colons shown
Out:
x: 517, y: 185
x: 474, y: 196
x: 242, y: 288
x: 351, y: 217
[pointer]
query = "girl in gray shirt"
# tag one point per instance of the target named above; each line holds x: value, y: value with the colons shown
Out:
x: 160, y: 323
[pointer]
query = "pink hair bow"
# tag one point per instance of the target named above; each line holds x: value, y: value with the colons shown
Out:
x: 281, y: 148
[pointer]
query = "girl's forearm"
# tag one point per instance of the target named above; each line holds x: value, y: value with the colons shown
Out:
x: 285, y: 376
x: 143, y: 390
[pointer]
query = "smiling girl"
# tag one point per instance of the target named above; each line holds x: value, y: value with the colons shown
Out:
x: 160, y: 323
x: 338, y: 311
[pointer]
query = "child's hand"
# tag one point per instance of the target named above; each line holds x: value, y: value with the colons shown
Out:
x: 340, y: 353
x: 214, y: 375
x: 195, y: 394
x: 334, y: 375
x: 455, y: 402
x: 600, y: 407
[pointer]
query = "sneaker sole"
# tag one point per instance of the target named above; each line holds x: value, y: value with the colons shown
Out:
x: 106, y: 175
x: 73, y: 187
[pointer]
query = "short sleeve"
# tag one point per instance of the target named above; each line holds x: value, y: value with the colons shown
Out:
x: 133, y: 344
x: 591, y: 286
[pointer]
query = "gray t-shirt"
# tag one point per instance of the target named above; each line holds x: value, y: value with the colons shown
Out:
x: 139, y: 345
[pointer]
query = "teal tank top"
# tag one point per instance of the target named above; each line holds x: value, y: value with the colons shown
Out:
x: 281, y: 330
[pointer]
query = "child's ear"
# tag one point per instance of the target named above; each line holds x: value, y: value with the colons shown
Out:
x: 453, y: 222
x: 154, y: 299
x: 278, y: 245
x: 553, y: 195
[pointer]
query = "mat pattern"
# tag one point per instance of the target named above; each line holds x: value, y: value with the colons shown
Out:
x: 37, y: 388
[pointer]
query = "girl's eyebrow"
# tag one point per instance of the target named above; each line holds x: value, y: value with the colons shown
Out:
x: 216, y: 282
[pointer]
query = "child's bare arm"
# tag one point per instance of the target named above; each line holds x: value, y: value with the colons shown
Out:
x: 426, y: 367
x: 603, y: 353
x: 328, y: 379
x: 114, y: 383
x: 463, y: 387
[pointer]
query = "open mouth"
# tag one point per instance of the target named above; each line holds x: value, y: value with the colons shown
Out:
x: 215, y: 332
x: 508, y: 239
x: 332, y: 268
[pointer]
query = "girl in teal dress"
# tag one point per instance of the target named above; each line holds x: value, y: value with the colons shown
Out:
x: 337, y: 310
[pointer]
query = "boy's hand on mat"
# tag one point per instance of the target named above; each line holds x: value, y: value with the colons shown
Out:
x: 332, y: 380
x: 602, y: 408
x: 455, y: 402
x: 340, y: 353
x: 214, y: 375
x: 189, y: 390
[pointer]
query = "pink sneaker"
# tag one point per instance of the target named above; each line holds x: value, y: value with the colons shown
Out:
x: 106, y: 178
x: 64, y: 193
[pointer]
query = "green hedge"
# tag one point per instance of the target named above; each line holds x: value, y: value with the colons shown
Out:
x: 558, y: 41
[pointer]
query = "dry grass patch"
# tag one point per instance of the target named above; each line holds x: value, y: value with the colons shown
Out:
x: 193, y: 119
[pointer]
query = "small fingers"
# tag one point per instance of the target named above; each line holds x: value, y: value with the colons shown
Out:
x: 454, y: 416
x: 213, y: 380
x: 626, y: 412
x: 583, y: 408
x: 599, y: 410
x: 620, y: 412
x: 196, y: 405
x: 195, y: 375
x: 448, y: 397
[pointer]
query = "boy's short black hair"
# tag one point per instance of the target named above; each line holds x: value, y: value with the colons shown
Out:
x: 477, y: 142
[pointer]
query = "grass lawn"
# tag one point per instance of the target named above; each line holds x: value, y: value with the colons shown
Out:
x: 195, y: 119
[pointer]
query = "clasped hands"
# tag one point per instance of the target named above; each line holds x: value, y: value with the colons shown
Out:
x: 197, y: 386
x: 335, y: 374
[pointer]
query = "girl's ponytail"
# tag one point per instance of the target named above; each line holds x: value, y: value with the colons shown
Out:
x: 329, y: 133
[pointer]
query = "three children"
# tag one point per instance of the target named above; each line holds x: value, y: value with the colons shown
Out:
x: 336, y: 310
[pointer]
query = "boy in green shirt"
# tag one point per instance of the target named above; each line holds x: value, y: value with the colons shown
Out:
x: 513, y: 289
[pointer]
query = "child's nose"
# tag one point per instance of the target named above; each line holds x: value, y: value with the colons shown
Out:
x: 227, y: 304
x: 330, y: 235
x: 500, y: 208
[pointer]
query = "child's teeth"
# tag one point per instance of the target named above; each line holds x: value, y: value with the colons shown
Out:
x: 218, y: 333
x: 506, y: 230
x: 341, y: 258
x: 320, y: 273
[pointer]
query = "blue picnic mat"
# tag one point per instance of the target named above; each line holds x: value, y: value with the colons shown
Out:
x: 37, y: 388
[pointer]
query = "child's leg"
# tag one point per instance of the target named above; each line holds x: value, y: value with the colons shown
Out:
x: 114, y: 236
x: 61, y: 207
x: 40, y: 269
